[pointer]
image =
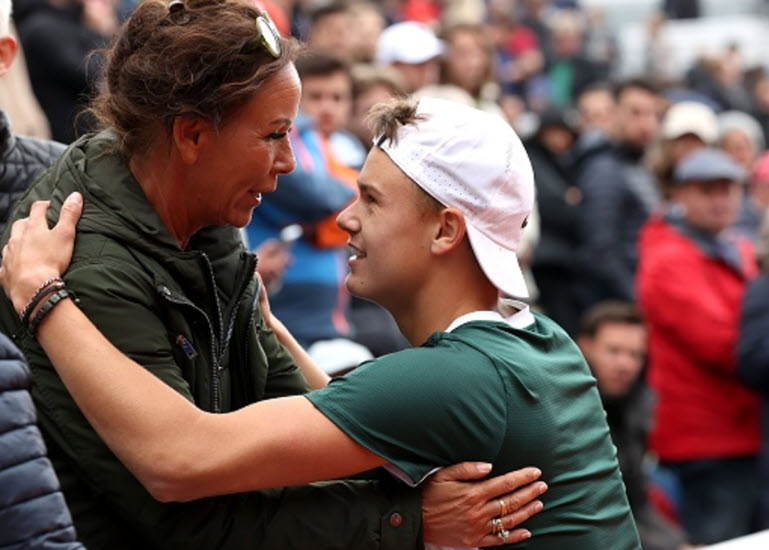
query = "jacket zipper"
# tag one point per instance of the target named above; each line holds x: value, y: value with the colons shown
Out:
x: 251, y: 320
x: 180, y: 301
x: 222, y: 344
x: 225, y: 333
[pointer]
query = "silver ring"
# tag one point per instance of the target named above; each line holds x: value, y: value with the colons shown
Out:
x: 496, y: 525
x: 503, y: 535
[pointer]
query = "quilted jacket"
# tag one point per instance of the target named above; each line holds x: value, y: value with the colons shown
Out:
x: 22, y: 159
x: 33, y: 515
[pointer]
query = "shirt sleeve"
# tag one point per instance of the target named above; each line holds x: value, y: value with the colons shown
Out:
x: 421, y: 408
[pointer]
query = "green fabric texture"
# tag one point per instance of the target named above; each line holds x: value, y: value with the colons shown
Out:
x: 512, y: 397
x: 191, y: 318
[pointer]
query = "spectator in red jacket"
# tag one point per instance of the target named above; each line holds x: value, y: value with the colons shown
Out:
x: 691, y: 279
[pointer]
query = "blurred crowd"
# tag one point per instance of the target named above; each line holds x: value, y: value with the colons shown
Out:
x: 651, y: 241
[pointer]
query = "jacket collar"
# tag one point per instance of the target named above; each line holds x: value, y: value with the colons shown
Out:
x: 719, y: 247
x: 116, y: 206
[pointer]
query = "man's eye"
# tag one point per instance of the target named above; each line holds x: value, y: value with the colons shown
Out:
x: 277, y: 135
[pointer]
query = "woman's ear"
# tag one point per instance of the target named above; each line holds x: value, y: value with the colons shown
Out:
x: 450, y: 231
x: 190, y: 135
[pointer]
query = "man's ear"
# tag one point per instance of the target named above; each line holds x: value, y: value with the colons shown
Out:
x: 8, y: 49
x: 450, y: 231
x: 190, y: 134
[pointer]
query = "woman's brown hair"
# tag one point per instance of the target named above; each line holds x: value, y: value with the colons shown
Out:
x: 204, y: 60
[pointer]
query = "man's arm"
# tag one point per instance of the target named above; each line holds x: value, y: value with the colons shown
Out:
x: 68, y: 336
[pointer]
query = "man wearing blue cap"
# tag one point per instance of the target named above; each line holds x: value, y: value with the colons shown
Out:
x: 691, y: 278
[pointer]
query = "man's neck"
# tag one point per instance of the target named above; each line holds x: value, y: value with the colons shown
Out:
x: 438, y: 304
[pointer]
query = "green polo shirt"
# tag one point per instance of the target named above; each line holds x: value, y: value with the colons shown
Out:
x: 515, y: 397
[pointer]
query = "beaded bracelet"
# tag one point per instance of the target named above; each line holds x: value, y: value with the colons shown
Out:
x: 48, y: 306
x: 37, y: 298
x: 30, y: 306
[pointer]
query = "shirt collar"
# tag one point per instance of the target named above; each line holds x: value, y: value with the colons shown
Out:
x: 514, y: 313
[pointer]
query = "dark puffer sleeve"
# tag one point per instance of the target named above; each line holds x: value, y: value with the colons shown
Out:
x: 33, y: 514
x: 753, y: 344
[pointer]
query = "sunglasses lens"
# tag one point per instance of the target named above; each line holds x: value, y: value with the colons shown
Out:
x: 177, y: 13
x: 268, y: 35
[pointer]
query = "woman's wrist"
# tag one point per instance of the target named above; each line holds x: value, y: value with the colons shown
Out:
x: 278, y: 328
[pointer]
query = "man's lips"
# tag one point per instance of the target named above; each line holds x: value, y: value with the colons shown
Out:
x: 357, y: 253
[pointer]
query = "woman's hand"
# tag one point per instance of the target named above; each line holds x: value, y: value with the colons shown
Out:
x: 34, y: 254
x: 264, y: 302
x: 457, y: 509
x: 274, y: 258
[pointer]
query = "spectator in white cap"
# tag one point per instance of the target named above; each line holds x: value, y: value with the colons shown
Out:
x: 687, y: 127
x: 444, y: 198
x: 412, y: 49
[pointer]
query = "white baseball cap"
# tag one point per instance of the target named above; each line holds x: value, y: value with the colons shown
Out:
x: 472, y: 161
x: 407, y: 42
x: 690, y: 117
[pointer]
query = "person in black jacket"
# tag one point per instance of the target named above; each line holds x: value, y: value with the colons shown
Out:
x: 618, y: 194
x: 555, y: 266
x: 33, y: 514
x: 22, y: 159
x: 753, y: 354
x: 58, y: 38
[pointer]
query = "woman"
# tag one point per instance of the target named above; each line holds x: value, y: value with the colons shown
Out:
x: 197, y: 100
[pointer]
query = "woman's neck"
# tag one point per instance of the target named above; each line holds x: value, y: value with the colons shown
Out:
x: 163, y: 185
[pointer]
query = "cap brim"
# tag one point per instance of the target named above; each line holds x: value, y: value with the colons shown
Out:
x: 499, y: 264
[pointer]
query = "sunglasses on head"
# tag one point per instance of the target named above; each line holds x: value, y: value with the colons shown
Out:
x: 267, y: 35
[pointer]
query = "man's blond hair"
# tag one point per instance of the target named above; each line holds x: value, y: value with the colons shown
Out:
x: 385, y: 119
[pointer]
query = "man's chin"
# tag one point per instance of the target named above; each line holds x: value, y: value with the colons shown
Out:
x: 355, y: 288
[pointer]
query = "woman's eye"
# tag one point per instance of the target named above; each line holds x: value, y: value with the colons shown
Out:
x: 277, y: 135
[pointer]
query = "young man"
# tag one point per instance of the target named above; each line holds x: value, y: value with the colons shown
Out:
x: 612, y: 338
x: 444, y: 198
x: 618, y: 194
